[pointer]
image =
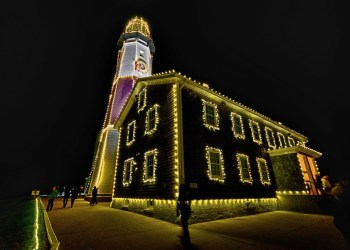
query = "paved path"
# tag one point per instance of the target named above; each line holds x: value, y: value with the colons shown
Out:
x: 102, y: 227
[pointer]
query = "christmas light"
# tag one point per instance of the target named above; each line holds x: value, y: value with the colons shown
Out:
x: 244, y: 168
x: 291, y: 141
x: 281, y: 140
x: 176, y: 141
x: 150, y: 177
x: 128, y: 171
x: 137, y: 24
x: 210, y: 151
x: 129, y: 140
x: 116, y: 163
x: 36, y: 224
x: 152, y: 120
x: 270, y: 137
x: 142, y: 100
x: 211, y: 121
x: 237, y: 126
x: 255, y: 130
x: 263, y: 171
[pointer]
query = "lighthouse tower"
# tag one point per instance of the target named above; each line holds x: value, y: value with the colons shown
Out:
x: 134, y: 61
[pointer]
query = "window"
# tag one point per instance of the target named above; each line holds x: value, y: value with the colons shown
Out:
x: 142, y: 41
x: 141, y: 103
x: 244, y: 168
x: 130, y: 136
x: 270, y: 137
x: 263, y: 171
x: 210, y: 115
x: 150, y: 165
x: 152, y: 120
x: 237, y: 126
x: 255, y: 130
x: 281, y: 140
x: 291, y: 141
x: 127, y: 172
x: 142, y: 54
x: 215, y: 164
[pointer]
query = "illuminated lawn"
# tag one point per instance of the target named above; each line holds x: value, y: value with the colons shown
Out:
x: 19, y: 229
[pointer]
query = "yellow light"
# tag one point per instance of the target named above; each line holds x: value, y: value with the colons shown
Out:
x: 36, y: 224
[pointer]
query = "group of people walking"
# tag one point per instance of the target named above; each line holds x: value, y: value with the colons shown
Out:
x: 68, y: 193
x: 73, y: 194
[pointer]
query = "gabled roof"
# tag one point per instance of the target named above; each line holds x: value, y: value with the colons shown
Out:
x: 204, y: 90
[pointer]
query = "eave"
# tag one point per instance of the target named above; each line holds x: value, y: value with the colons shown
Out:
x: 294, y: 150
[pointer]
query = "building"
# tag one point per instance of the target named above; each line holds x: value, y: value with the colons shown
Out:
x: 165, y: 129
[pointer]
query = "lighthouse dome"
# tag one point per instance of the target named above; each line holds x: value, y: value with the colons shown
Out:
x: 138, y: 24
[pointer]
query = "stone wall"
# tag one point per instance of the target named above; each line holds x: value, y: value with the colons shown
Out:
x: 202, y: 210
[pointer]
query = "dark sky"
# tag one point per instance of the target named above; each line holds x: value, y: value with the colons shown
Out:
x: 286, y: 60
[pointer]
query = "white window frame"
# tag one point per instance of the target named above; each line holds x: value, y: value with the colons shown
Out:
x: 129, y: 133
x: 146, y: 177
x: 129, y: 163
x: 141, y: 106
x: 291, y: 141
x: 214, y: 126
x: 240, y: 156
x: 271, y: 142
x: 148, y: 130
x: 251, y: 125
x: 221, y: 176
x: 263, y: 164
x: 280, y: 135
x: 235, y: 132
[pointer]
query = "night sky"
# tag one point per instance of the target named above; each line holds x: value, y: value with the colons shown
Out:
x: 286, y: 60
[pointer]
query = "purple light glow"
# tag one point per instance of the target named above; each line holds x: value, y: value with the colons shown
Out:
x: 124, y: 87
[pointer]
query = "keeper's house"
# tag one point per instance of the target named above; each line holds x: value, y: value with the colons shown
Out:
x: 236, y: 161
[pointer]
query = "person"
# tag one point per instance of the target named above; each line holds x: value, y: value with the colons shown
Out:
x: 52, y: 196
x: 184, y: 207
x: 94, y: 196
x: 66, y: 197
x: 318, y: 183
x: 74, y: 195
x: 326, y: 185
x: 341, y: 193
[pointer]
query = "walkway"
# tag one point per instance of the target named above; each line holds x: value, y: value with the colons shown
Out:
x: 102, y: 227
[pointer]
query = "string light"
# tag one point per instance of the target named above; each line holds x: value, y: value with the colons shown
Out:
x: 137, y: 24
x: 36, y: 224
x: 281, y: 140
x: 149, y: 130
x: 146, y: 177
x: 222, y: 175
x: 291, y: 141
x: 238, y: 134
x: 133, y: 126
x: 176, y: 140
x: 128, y: 171
x: 142, y: 97
x: 262, y: 166
x: 116, y: 163
x: 239, y: 158
x: 214, y: 126
x: 270, y: 135
x: 255, y: 128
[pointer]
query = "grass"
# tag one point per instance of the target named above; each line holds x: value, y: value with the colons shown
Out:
x: 17, y: 218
